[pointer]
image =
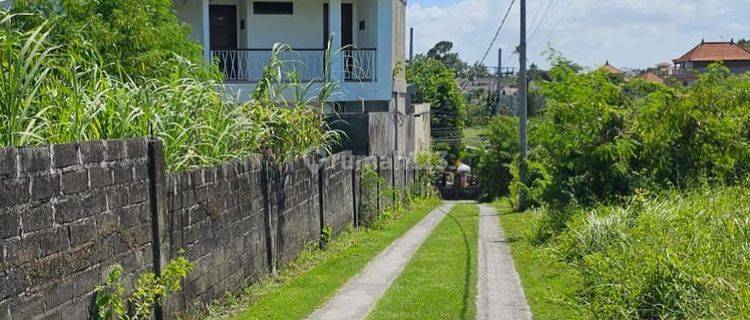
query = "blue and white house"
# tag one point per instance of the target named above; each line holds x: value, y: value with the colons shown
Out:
x: 368, y: 43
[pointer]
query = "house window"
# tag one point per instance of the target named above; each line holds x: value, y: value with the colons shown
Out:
x: 261, y: 7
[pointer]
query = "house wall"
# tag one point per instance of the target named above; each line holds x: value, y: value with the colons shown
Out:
x: 367, y: 11
x: 398, y: 35
x: 301, y: 30
x: 734, y: 66
x: 422, y: 127
x: 191, y: 13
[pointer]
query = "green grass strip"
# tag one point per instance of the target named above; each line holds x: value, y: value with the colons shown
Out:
x: 440, y: 282
x: 548, y: 284
x: 317, y: 274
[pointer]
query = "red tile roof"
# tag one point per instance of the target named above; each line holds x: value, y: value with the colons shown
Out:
x: 651, y: 77
x: 716, y: 51
x: 609, y: 68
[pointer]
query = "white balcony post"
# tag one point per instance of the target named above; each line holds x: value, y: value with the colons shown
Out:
x: 384, y: 53
x: 206, y: 26
x: 334, y: 25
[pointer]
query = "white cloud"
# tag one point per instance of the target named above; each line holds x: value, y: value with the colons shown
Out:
x: 636, y: 33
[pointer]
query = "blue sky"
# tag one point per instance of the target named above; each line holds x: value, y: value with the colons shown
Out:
x: 628, y: 33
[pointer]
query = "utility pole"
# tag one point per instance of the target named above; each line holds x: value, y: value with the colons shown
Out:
x: 498, y: 85
x: 499, y: 61
x: 411, y: 44
x: 522, y: 88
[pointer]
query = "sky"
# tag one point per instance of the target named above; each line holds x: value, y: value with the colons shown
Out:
x: 627, y: 33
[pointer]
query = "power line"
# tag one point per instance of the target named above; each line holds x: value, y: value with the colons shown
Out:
x: 494, y: 38
x: 497, y: 33
x: 563, y: 16
x: 536, y: 13
x: 550, y: 7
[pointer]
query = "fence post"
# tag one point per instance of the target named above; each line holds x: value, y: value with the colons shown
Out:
x: 268, y: 226
x: 155, y: 166
x: 393, y: 178
x: 321, y: 198
x: 355, y: 210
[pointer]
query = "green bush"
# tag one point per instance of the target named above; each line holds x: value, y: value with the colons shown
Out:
x: 437, y: 85
x: 56, y: 89
x: 679, y: 256
x: 144, y: 37
x: 149, y: 291
x: 601, y: 139
x: 493, y: 168
x: 637, y: 189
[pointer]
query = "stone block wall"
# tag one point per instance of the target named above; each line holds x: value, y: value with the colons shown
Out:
x: 216, y: 215
x: 336, y: 174
x: 295, y: 207
x: 385, y: 170
x: 67, y: 213
x: 70, y: 212
x: 367, y: 199
x: 399, y: 172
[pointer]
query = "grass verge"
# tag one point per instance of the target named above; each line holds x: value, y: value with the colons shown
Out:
x: 549, y: 285
x: 440, y: 280
x: 315, y: 276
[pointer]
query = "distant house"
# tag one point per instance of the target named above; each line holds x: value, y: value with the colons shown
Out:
x: 610, y: 69
x: 734, y: 56
x: 664, y: 69
x: 652, y: 77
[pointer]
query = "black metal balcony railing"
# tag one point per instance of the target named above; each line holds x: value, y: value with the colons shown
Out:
x: 246, y: 65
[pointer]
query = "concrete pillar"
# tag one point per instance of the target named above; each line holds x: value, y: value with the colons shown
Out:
x: 206, y: 24
x: 334, y: 25
x: 385, y: 43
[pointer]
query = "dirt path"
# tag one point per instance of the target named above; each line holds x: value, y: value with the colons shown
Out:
x: 499, y: 292
x: 359, y: 295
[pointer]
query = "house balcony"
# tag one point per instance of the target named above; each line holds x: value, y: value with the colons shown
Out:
x: 238, y: 35
x: 306, y: 65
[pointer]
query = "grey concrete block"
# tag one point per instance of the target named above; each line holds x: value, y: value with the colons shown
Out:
x: 137, y: 148
x: 34, y: 159
x: 123, y: 173
x: 27, y: 307
x: 74, y: 182
x: 92, y: 151
x: 13, y: 192
x: 8, y: 164
x: 52, y: 241
x: 140, y: 172
x: 94, y: 204
x: 115, y: 150
x: 100, y: 177
x: 118, y: 197
x: 45, y: 187
x: 138, y: 192
x: 13, y: 283
x: 68, y: 210
x: 82, y: 231
x: 10, y: 223
x: 65, y: 155
x: 37, y: 218
x: 57, y: 294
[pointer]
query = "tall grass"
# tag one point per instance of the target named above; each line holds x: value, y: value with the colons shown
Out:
x: 674, y: 256
x: 51, y: 93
